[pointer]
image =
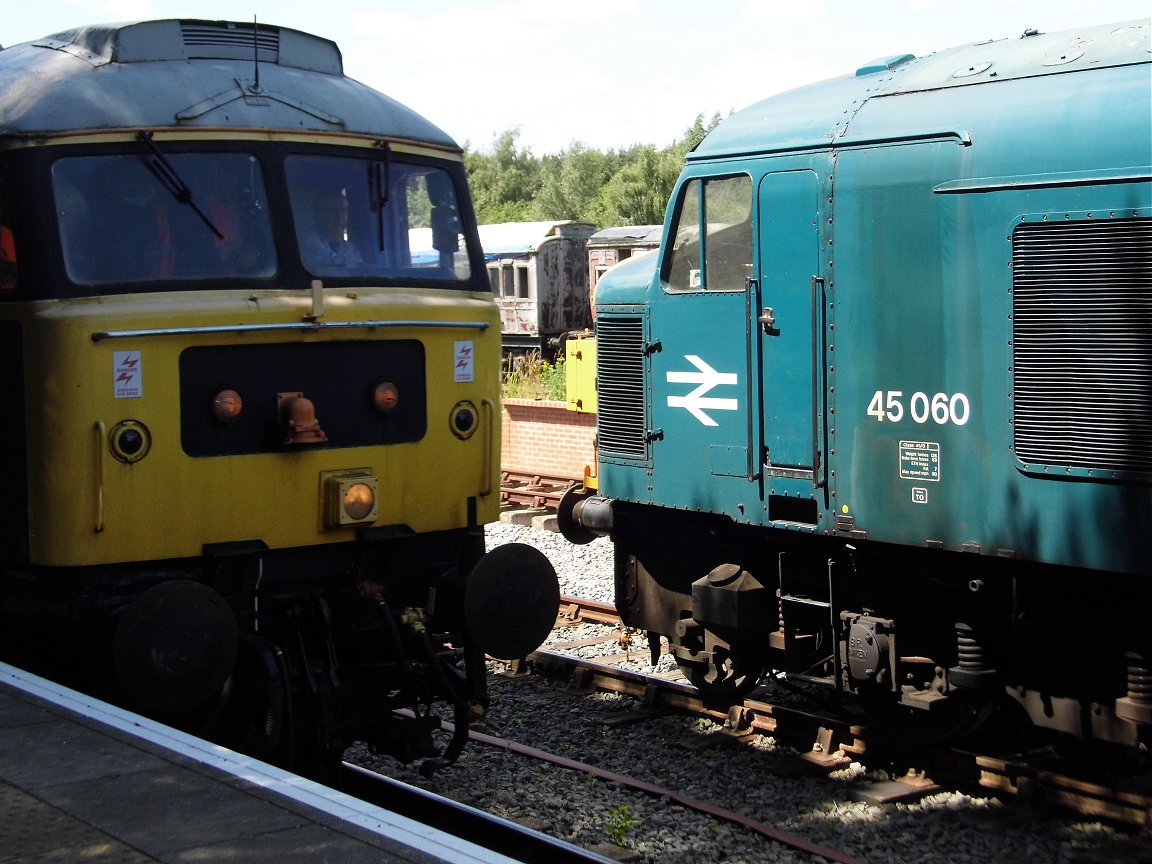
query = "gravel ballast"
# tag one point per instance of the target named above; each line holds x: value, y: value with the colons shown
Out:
x: 758, y: 780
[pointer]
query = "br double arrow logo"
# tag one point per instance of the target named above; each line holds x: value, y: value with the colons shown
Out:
x: 696, y: 401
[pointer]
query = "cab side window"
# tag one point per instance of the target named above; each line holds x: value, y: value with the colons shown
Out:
x: 712, y: 241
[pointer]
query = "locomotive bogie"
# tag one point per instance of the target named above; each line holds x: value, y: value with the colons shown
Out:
x: 892, y: 362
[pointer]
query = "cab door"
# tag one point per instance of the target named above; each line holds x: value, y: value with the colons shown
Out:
x: 786, y: 331
x: 702, y: 412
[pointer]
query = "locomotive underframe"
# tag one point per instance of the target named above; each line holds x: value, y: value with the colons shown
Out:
x: 928, y: 641
x: 290, y: 655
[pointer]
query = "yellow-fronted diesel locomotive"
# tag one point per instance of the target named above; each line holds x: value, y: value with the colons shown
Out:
x: 251, y: 364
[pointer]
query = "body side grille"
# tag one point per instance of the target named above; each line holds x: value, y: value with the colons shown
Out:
x: 1082, y: 344
x: 621, y: 422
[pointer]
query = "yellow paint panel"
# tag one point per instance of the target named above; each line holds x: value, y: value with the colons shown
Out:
x: 88, y: 507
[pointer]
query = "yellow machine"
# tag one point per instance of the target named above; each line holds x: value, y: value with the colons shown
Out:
x: 251, y: 360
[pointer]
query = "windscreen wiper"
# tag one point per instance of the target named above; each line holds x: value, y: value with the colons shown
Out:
x: 380, y: 188
x: 170, y: 180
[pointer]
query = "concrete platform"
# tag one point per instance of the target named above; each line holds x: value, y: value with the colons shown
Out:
x: 84, y: 781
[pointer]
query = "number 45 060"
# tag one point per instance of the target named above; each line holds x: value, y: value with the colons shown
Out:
x: 941, y: 407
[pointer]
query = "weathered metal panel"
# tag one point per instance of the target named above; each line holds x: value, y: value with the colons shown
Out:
x: 562, y: 286
x: 550, y: 296
x: 244, y: 81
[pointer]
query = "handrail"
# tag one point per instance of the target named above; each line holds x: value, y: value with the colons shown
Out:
x: 100, y: 336
x: 99, y: 427
x: 818, y: 476
x: 489, y: 410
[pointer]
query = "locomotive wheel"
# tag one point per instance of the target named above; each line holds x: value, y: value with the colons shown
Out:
x: 257, y: 718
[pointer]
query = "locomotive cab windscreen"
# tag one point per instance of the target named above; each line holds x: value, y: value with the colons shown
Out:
x: 206, y: 215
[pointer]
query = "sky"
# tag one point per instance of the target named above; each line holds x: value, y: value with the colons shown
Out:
x: 605, y: 74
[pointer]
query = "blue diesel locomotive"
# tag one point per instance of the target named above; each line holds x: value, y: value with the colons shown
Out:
x: 879, y: 413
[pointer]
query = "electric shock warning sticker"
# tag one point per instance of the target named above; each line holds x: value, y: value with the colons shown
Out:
x: 465, y: 362
x: 127, y: 375
x: 920, y: 460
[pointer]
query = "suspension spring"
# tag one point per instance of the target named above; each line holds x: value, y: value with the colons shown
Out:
x: 968, y: 649
x: 1139, y: 678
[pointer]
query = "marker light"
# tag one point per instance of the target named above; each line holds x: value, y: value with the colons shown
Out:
x: 348, y: 497
x: 129, y: 441
x: 385, y: 396
x: 464, y: 419
x: 227, y: 405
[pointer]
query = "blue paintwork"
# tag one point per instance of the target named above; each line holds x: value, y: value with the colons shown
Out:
x: 899, y: 188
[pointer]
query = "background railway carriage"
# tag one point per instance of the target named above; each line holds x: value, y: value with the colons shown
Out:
x: 879, y: 414
x: 539, y: 273
x: 251, y: 432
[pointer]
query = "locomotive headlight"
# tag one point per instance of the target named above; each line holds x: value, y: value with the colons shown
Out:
x: 359, y: 501
x: 348, y: 497
x: 227, y: 405
x: 129, y: 441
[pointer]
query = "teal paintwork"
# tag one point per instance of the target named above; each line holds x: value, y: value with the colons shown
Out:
x: 878, y: 399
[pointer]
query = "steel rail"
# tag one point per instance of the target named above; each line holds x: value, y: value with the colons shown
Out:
x: 778, y: 835
x: 831, y: 736
x: 460, y: 820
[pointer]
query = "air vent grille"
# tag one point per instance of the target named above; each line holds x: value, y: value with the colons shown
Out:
x: 205, y: 39
x: 620, y: 420
x: 1082, y: 344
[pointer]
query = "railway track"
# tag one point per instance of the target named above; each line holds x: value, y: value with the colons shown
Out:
x: 833, y: 742
x: 532, y: 491
x: 499, y: 835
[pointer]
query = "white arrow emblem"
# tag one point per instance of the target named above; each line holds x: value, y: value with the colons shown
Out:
x: 695, y: 402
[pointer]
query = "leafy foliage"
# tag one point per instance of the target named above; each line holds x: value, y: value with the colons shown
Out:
x: 621, y: 820
x: 619, y: 187
x: 533, y: 377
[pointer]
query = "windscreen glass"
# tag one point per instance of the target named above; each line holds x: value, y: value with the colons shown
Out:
x: 379, y: 218
x: 139, y: 218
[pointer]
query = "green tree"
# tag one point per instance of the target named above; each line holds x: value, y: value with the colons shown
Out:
x: 696, y: 133
x: 570, y: 182
x: 504, y: 182
x: 638, y: 193
x: 627, y: 187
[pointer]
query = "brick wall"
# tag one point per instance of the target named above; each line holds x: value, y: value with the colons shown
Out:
x: 546, y: 438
